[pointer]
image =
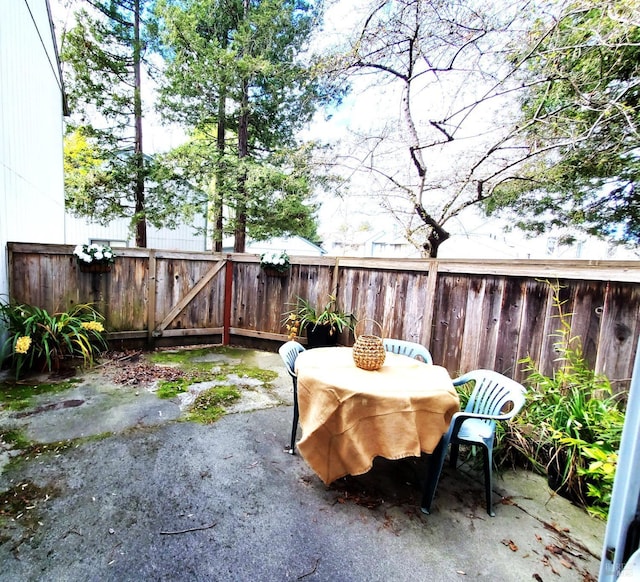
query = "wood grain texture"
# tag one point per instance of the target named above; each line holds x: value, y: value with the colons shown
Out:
x: 470, y: 314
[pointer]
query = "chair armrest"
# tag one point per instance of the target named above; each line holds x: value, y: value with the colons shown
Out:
x: 459, y: 417
x: 464, y: 379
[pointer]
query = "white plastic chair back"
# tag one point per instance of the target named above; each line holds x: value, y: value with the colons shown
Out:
x: 410, y: 349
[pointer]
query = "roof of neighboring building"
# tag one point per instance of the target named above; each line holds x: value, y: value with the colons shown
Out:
x: 293, y: 245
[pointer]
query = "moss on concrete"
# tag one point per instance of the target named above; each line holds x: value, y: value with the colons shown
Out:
x: 209, y: 404
x: 13, y: 438
x: 18, y: 396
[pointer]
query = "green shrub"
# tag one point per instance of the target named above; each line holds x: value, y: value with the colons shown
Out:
x: 38, y: 340
x: 571, y: 425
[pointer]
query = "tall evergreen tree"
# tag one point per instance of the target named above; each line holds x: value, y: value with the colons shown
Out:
x: 239, y: 66
x: 104, y: 54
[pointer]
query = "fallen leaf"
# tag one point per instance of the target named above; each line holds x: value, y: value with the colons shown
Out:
x: 554, y: 549
x: 566, y: 564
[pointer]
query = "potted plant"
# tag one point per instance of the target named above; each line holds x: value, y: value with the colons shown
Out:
x: 323, y: 324
x: 275, y: 263
x: 94, y: 258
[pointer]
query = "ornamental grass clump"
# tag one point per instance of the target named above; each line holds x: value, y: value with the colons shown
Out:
x: 571, y: 426
x: 39, y: 341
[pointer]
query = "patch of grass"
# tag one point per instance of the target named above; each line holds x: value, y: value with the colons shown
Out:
x: 209, y: 405
x: 18, y: 396
x: 197, y: 372
x: 265, y: 376
x: 14, y: 437
x: 171, y: 388
x: 179, y: 356
x: 189, y: 355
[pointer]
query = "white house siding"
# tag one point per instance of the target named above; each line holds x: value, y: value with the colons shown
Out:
x: 31, y: 119
x: 187, y: 237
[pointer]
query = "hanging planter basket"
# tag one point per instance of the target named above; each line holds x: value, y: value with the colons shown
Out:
x: 271, y: 272
x: 96, y: 267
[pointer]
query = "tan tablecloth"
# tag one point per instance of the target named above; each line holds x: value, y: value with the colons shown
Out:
x: 349, y: 415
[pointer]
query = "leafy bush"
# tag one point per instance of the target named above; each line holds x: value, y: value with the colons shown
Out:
x: 571, y: 425
x: 38, y: 340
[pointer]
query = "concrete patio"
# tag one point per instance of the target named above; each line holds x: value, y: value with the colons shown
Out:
x: 133, y: 493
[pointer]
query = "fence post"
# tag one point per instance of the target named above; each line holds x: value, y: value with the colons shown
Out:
x: 228, y: 289
x: 430, y: 295
x: 151, y: 303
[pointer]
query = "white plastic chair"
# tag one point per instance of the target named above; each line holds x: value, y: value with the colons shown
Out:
x: 405, y: 348
x: 289, y: 353
x: 494, y: 398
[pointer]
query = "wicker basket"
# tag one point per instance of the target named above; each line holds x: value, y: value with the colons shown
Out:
x: 368, y: 351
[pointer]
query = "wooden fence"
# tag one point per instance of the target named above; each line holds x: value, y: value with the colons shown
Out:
x: 470, y: 314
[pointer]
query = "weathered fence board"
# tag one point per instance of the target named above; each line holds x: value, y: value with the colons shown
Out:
x: 470, y: 314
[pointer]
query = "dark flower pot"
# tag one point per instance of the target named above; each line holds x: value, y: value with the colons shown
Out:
x: 321, y: 336
x: 95, y: 267
x: 271, y: 272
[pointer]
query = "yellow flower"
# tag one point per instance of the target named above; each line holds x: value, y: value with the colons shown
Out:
x: 93, y: 325
x: 23, y: 344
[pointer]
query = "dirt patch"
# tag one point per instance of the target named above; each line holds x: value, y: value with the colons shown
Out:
x: 131, y: 369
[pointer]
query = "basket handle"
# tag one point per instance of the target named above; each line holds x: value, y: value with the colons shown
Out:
x: 355, y: 327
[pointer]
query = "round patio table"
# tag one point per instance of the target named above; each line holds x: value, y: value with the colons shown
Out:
x: 349, y: 415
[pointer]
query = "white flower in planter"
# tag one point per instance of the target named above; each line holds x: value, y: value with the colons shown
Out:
x: 94, y: 253
x: 278, y: 260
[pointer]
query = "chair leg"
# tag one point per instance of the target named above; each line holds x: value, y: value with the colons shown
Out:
x: 296, y: 415
x: 488, y: 485
x: 453, y: 454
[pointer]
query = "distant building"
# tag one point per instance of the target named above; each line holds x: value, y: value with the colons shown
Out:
x: 293, y: 245
x: 369, y: 243
x: 471, y: 236
x: 186, y: 237
x: 478, y: 237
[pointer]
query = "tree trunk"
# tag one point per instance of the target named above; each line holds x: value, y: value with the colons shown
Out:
x: 243, y: 152
x: 437, y: 234
x: 218, y: 196
x: 240, y: 230
x: 139, y: 218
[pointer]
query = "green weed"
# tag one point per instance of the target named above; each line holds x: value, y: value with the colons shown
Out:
x: 209, y: 404
x: 171, y: 388
x: 14, y: 437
